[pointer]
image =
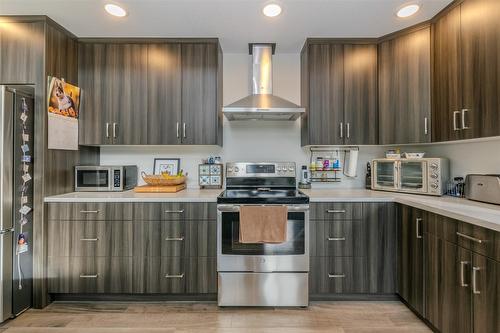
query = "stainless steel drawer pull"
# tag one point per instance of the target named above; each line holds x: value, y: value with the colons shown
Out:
x: 336, y: 238
x: 175, y: 211
x: 417, y: 226
x: 173, y: 276
x: 114, y: 130
x: 177, y: 129
x: 336, y: 211
x: 107, y: 130
x: 341, y: 130
x: 474, y: 280
x: 464, y: 111
x: 336, y: 276
x: 184, y: 130
x: 93, y: 276
x: 173, y: 239
x: 477, y: 240
x: 462, y: 273
x: 89, y: 211
x: 89, y: 239
x: 426, y: 126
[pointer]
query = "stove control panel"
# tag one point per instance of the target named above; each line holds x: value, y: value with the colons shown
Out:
x: 263, y: 169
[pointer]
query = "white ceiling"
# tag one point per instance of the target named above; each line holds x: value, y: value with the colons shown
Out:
x: 235, y: 22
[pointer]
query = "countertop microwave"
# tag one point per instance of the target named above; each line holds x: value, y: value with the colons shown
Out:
x: 105, y: 178
x: 418, y: 176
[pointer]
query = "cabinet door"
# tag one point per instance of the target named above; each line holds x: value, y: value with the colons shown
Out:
x: 486, y: 294
x: 447, y: 281
x: 447, y: 88
x: 164, y: 94
x: 95, y: 116
x: 199, y: 94
x: 128, y: 85
x: 410, y: 258
x: 326, y: 94
x: 405, y: 88
x: 360, y: 94
x: 480, y: 44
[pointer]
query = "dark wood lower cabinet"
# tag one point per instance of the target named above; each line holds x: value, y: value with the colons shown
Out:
x: 486, y: 294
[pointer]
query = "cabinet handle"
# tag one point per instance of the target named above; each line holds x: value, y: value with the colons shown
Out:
x: 92, y: 276
x: 336, y: 276
x: 455, y: 124
x: 173, y: 239
x: 336, y: 238
x: 426, y: 126
x: 175, y: 211
x: 177, y: 130
x: 114, y: 130
x: 462, y: 273
x: 464, y: 111
x: 348, y: 130
x: 341, y: 130
x: 336, y: 211
x: 89, y: 211
x: 174, y: 276
x: 184, y: 130
x: 474, y: 280
x: 417, y: 225
x: 89, y: 239
x: 477, y: 240
x: 107, y: 130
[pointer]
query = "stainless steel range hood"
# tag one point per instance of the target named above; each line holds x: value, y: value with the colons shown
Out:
x: 262, y: 104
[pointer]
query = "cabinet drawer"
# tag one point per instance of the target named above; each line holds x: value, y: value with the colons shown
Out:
x: 338, y: 275
x: 189, y: 211
x: 201, y: 276
x: 89, y: 275
x: 90, y: 211
x: 336, y: 211
x: 156, y: 238
x: 441, y: 227
x: 159, y: 275
x: 89, y: 239
x: 480, y: 240
x: 338, y: 238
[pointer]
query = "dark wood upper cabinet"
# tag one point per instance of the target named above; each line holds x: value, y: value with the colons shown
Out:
x: 157, y: 93
x: 447, y: 91
x: 467, y: 71
x: 339, y: 92
x: 360, y: 94
x: 325, y: 90
x: 164, y: 94
x: 405, y: 88
x: 200, y: 105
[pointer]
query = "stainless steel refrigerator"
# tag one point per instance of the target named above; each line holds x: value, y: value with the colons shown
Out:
x: 16, y: 204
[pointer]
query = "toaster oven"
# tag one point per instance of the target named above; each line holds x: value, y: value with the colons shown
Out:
x: 105, y: 178
x: 419, y: 175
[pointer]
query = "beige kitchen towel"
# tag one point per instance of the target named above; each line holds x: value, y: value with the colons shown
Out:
x: 263, y: 224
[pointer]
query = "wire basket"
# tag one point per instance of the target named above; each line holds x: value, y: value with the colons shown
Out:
x: 159, y: 180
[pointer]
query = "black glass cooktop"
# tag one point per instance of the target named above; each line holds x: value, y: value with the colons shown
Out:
x: 263, y: 196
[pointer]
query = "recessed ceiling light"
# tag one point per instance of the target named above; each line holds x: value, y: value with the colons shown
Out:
x: 115, y: 10
x: 272, y: 10
x: 408, y: 10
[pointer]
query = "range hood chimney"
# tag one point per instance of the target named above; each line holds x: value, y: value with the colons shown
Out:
x: 262, y: 104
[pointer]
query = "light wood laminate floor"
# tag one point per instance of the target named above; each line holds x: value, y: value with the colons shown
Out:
x: 111, y: 317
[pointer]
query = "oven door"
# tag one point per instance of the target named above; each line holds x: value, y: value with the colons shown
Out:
x: 413, y: 176
x: 290, y: 256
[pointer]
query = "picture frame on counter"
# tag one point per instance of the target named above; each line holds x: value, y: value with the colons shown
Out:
x: 169, y: 165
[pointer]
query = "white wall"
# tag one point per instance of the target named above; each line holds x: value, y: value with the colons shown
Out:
x: 280, y: 141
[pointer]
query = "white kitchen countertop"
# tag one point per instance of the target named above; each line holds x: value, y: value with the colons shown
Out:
x: 481, y: 214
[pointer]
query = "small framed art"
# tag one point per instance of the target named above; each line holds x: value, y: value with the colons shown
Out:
x: 168, y: 165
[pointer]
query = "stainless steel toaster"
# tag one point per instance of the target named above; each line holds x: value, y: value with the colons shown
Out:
x: 485, y: 188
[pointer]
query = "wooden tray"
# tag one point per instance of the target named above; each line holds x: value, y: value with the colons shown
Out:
x: 159, y: 189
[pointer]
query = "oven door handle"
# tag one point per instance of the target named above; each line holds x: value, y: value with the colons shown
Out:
x: 236, y: 208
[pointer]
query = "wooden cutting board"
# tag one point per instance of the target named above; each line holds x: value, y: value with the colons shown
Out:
x: 159, y: 189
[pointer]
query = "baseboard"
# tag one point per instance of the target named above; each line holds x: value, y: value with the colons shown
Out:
x: 354, y: 297
x: 134, y: 297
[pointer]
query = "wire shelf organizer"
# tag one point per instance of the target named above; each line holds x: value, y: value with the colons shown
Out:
x: 330, y: 172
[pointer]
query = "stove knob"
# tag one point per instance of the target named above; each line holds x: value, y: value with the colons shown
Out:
x: 229, y: 169
x: 434, y: 165
x: 236, y: 169
x: 434, y: 175
x: 278, y: 168
x: 434, y: 185
x: 291, y: 168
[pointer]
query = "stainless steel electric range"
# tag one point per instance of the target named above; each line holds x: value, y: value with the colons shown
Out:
x: 262, y: 274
